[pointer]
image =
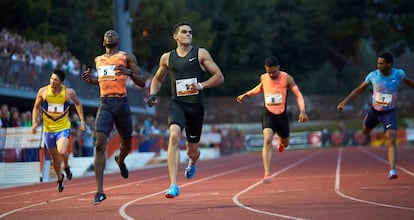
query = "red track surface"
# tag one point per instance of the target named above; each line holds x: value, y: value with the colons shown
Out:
x: 333, y: 183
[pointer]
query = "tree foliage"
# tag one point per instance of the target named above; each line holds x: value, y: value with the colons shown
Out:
x: 331, y: 41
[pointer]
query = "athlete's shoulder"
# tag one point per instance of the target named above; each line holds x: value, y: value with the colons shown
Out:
x: 398, y: 71
x: 122, y: 53
x: 373, y: 73
x: 43, y: 88
x: 99, y: 57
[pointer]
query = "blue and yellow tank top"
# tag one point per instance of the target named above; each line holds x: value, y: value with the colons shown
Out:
x: 55, y: 111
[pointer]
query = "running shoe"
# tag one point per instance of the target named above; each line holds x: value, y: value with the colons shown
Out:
x: 122, y: 167
x: 60, y: 184
x: 190, y: 171
x: 68, y: 173
x: 99, y: 197
x: 172, y: 192
x: 267, y: 179
x: 392, y: 174
x: 280, y: 148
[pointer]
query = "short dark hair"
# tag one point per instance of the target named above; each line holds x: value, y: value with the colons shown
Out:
x: 387, y: 57
x: 179, y: 24
x: 60, y: 74
x: 271, y: 61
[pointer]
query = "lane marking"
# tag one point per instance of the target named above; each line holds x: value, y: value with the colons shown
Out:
x: 122, y: 209
x: 386, y: 162
x: 82, y: 194
x: 241, y: 205
x: 337, y: 184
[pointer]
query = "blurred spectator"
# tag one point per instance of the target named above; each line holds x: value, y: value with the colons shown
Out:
x: 87, y: 137
x: 76, y: 135
x: 15, y: 118
x: 6, y: 116
x: 25, y: 119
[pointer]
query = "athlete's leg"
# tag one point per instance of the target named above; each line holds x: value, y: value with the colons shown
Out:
x: 173, y: 153
x: 193, y: 152
x: 57, y: 162
x: 124, y: 149
x: 267, y: 149
x: 100, y: 159
x: 62, y: 148
x: 284, y: 142
x: 391, y: 137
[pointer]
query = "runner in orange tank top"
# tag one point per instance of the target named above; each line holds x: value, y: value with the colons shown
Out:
x: 113, y: 68
x: 274, y: 85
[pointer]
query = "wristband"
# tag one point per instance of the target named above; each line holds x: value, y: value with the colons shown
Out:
x: 201, y: 86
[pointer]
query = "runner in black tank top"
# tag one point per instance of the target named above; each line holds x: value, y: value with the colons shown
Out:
x: 187, y: 66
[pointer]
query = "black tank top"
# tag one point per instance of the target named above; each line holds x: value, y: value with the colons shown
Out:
x: 185, y: 70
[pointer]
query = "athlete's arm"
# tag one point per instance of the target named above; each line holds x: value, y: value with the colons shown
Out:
x: 207, y: 63
x: 299, y: 99
x: 256, y: 90
x: 158, y: 78
x: 87, y: 77
x: 134, y: 72
x: 160, y: 74
x: 78, y: 106
x: 355, y: 93
x: 409, y: 82
x: 36, y: 110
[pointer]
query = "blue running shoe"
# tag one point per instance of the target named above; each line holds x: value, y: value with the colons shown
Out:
x: 392, y: 174
x: 172, y: 192
x: 190, y: 171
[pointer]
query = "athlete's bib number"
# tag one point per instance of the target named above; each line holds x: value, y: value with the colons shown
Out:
x: 183, y: 87
x: 273, y: 99
x: 383, y: 99
x: 55, y: 108
x: 106, y: 72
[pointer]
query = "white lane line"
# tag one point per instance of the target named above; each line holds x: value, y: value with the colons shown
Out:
x: 70, y: 197
x: 386, y: 162
x: 338, y: 191
x: 122, y: 209
x: 241, y: 205
x: 78, y: 195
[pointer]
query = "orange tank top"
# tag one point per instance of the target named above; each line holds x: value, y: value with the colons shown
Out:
x: 109, y: 82
x: 274, y: 92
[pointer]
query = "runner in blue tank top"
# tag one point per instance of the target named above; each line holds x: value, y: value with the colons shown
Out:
x: 385, y: 81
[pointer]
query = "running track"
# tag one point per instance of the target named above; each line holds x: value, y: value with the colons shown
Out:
x: 332, y: 183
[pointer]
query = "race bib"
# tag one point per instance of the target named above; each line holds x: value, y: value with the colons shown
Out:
x: 106, y: 72
x: 273, y: 99
x: 383, y: 99
x: 183, y: 87
x: 55, y: 108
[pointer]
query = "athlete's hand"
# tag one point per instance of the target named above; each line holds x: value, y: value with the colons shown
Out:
x: 303, y: 117
x: 87, y: 76
x: 34, y: 128
x: 83, y: 126
x: 241, y: 97
x: 122, y: 70
x: 340, y: 106
x: 152, y: 100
